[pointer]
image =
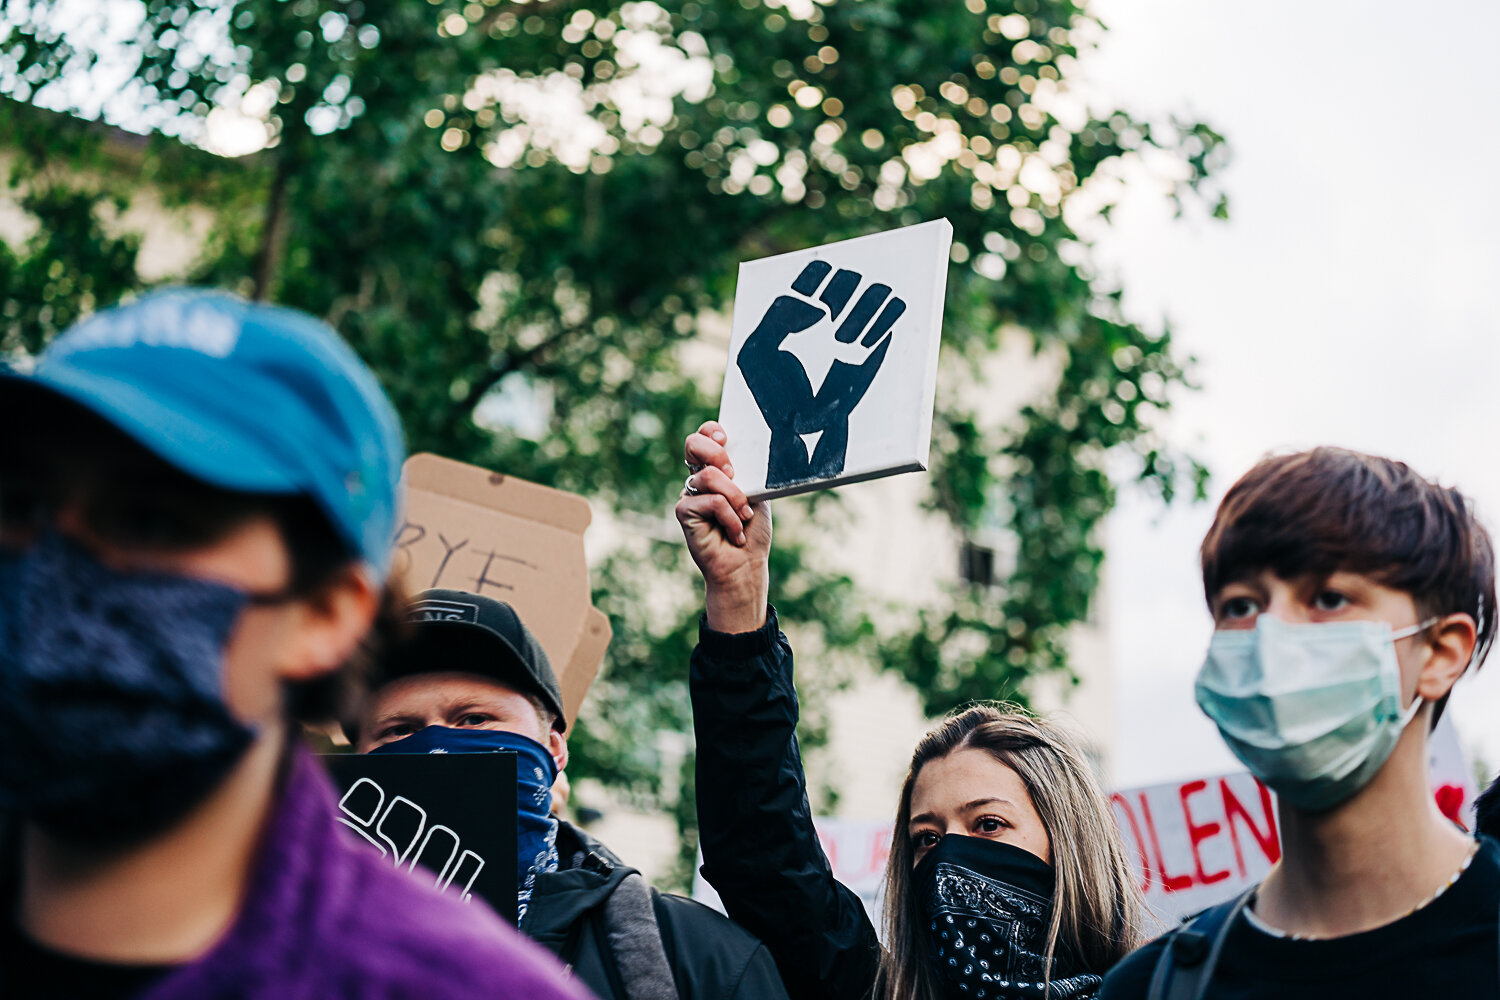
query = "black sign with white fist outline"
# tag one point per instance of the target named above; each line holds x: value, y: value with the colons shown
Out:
x: 452, y: 814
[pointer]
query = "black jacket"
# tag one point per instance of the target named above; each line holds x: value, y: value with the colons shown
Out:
x: 760, y: 849
x: 710, y: 958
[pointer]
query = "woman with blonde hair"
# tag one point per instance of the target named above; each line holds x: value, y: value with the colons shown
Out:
x: 1006, y: 875
x: 1094, y: 917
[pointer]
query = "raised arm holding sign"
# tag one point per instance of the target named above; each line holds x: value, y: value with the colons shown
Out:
x: 728, y: 537
x: 970, y: 848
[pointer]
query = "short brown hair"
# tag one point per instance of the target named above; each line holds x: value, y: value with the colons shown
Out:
x: 318, y: 556
x: 1332, y: 510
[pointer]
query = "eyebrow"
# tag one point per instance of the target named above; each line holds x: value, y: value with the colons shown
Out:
x: 928, y: 817
x: 1347, y: 579
x: 486, y: 708
x: 387, y: 719
x: 445, y: 710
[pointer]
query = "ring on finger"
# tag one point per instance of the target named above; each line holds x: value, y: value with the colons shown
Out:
x: 689, y: 488
x: 693, y: 467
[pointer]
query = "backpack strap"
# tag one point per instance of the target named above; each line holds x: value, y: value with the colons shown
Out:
x: 633, y: 940
x: 1191, y: 952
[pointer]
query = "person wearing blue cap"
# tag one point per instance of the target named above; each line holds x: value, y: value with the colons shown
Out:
x: 198, y: 497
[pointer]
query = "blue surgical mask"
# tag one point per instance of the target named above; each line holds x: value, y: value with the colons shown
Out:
x: 112, y: 714
x: 1313, y: 710
x: 536, y: 833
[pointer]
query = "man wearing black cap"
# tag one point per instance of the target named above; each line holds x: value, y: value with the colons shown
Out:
x: 472, y: 678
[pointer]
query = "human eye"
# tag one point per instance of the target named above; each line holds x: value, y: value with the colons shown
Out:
x: 1330, y: 600
x: 990, y: 826
x: 474, y: 719
x: 923, y: 841
x: 395, y: 732
x: 1238, y: 608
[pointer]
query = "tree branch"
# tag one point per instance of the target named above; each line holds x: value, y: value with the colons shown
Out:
x: 273, y: 236
x: 512, y: 362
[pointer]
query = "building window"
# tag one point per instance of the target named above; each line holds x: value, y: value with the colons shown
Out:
x: 976, y: 564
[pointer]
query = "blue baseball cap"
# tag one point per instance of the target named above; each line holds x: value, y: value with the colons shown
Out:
x: 248, y: 397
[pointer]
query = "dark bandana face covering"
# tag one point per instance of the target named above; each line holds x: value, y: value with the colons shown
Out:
x: 112, y: 718
x: 536, y: 827
x: 986, y: 907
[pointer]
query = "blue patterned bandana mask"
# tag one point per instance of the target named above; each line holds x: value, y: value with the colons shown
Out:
x: 112, y: 718
x: 986, y: 907
x: 536, y: 829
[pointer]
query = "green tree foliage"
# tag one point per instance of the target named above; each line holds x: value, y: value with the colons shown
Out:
x: 549, y: 197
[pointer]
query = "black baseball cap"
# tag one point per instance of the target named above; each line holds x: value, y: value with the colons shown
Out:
x: 454, y: 630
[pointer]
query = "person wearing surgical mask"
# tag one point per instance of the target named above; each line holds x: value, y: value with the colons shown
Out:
x: 1348, y: 596
x: 1007, y: 878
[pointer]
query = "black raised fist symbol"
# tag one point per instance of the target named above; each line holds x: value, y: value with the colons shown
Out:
x: 780, y: 383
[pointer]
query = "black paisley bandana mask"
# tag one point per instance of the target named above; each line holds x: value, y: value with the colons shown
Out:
x: 986, y: 907
x: 112, y: 718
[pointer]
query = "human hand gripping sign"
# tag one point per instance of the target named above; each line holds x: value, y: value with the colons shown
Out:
x: 728, y: 537
x: 810, y: 423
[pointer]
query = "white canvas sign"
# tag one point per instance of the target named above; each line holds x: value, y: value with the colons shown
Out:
x: 833, y: 361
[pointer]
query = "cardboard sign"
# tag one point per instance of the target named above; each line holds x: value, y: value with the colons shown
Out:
x: 467, y: 528
x: 453, y: 814
x: 1192, y: 843
x: 833, y: 361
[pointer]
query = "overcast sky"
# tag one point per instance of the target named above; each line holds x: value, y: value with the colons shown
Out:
x: 1350, y: 300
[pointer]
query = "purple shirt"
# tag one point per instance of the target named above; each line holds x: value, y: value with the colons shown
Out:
x: 325, y: 918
